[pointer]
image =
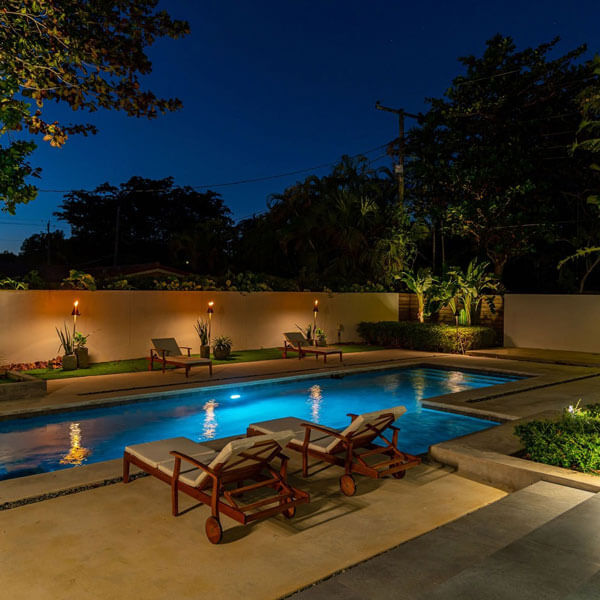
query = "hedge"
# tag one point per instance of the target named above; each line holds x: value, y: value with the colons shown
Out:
x: 432, y: 337
x: 573, y: 441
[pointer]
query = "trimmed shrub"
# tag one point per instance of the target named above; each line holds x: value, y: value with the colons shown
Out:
x: 572, y: 442
x: 432, y: 337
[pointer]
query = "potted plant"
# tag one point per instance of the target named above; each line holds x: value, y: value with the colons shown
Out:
x: 320, y: 337
x: 222, y: 347
x: 69, y: 360
x: 81, y: 351
x: 201, y: 327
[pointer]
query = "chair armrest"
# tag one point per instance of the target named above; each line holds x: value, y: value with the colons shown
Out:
x: 351, y: 415
x: 188, y: 348
x: 193, y: 461
x: 323, y: 429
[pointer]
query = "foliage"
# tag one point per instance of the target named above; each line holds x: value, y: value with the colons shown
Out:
x: 85, y: 55
x: 429, y: 337
x: 222, y: 343
x: 78, y: 280
x: 421, y: 283
x: 443, y: 293
x: 572, y: 441
x: 490, y: 157
x: 65, y: 337
x: 157, y: 222
x: 341, y: 229
x: 7, y: 283
x: 80, y: 340
x: 321, y: 337
x: 473, y: 286
x: 201, y: 327
x: 119, y: 284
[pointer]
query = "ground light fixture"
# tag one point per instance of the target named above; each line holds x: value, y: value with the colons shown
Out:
x: 75, y: 313
x: 315, y: 312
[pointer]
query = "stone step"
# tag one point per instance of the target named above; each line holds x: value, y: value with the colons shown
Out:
x: 421, y: 567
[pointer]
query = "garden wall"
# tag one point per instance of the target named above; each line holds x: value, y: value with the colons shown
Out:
x: 553, y: 322
x: 121, y: 323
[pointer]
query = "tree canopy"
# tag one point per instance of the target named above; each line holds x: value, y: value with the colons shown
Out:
x: 85, y: 54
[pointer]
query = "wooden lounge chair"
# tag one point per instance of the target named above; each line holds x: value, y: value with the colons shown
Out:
x: 353, y: 448
x: 203, y: 474
x: 168, y: 352
x: 296, y: 341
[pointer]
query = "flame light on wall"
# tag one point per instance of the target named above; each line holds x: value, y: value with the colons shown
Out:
x: 77, y: 453
x: 75, y: 313
x: 209, y: 429
x: 315, y: 313
x: 210, y: 311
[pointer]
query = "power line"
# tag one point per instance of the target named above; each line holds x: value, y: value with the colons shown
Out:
x: 244, y: 181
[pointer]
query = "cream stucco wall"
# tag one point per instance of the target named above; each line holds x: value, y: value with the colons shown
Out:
x: 121, y: 323
x: 553, y: 322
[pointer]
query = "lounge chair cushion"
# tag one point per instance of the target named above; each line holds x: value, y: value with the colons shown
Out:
x: 231, y: 455
x: 295, y: 425
x: 295, y: 338
x: 169, y: 345
x: 156, y: 453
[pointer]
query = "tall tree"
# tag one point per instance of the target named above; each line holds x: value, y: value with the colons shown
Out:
x: 491, y: 160
x: 146, y: 220
x: 85, y: 54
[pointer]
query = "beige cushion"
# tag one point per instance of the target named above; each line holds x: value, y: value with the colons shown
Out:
x: 358, y: 426
x: 295, y: 425
x: 154, y: 453
x: 230, y: 454
x: 321, y: 349
x: 169, y: 345
x: 189, y: 360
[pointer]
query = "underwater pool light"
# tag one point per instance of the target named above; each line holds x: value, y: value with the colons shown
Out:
x: 234, y: 396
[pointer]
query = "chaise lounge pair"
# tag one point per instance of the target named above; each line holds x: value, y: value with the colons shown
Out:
x: 218, y: 479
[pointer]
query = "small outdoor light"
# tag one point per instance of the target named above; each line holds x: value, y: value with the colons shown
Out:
x: 315, y: 312
x: 210, y: 312
x: 75, y: 313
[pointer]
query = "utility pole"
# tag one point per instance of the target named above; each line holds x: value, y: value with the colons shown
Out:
x: 117, y: 223
x: 48, y: 243
x: 399, y: 168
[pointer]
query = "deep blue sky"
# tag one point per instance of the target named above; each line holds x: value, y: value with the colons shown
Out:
x: 272, y: 87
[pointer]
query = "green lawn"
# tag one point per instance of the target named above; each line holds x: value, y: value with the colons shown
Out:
x: 136, y: 365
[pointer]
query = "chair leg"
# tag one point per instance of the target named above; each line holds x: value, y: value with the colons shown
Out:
x: 125, y: 467
x: 187, y: 372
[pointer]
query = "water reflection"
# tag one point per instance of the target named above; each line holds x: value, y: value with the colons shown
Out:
x: 419, y: 383
x: 77, y: 453
x: 456, y: 381
x: 210, y: 425
x: 315, y: 399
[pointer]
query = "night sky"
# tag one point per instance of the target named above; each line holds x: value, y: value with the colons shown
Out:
x: 273, y: 87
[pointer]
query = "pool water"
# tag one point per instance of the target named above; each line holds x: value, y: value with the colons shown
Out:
x: 60, y: 441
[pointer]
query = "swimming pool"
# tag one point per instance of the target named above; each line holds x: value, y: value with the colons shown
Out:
x: 59, y: 441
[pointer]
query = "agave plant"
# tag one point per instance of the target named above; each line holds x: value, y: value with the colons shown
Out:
x: 473, y: 286
x: 201, y: 327
x: 421, y: 284
x: 66, y: 339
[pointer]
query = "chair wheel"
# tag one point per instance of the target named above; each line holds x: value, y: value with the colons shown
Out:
x: 214, y: 531
x: 289, y: 512
x: 399, y: 474
x: 347, y: 485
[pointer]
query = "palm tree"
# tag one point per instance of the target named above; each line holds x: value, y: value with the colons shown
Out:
x: 420, y: 283
x: 474, y: 285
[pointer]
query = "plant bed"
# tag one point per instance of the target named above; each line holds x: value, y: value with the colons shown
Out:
x: 18, y: 385
x: 571, y: 441
x: 429, y: 337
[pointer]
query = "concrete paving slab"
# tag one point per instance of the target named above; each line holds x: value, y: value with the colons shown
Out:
x: 120, y: 541
x: 468, y: 559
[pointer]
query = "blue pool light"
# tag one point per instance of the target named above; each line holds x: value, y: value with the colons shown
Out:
x: 235, y: 396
